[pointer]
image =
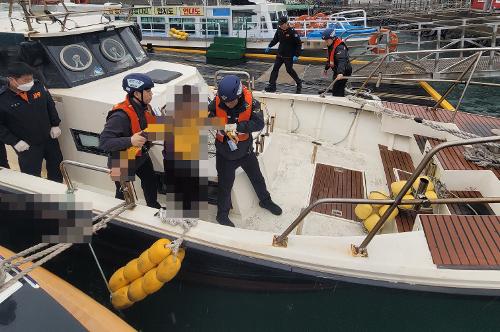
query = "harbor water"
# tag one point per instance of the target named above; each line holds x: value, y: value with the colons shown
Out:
x: 197, y: 306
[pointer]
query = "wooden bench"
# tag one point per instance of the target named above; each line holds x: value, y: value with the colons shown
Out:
x: 336, y: 182
x: 463, y: 242
x: 453, y: 159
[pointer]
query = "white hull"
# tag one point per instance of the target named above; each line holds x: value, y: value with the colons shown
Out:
x: 400, y: 260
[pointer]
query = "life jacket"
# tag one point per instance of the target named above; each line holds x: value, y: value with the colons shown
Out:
x: 127, y: 107
x: 135, y: 125
x: 243, y: 116
x: 331, y: 55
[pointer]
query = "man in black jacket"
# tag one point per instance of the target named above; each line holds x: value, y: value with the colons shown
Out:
x: 337, y: 60
x: 124, y: 134
x: 4, y: 162
x: 30, y: 123
x: 288, y: 53
x: 240, y: 115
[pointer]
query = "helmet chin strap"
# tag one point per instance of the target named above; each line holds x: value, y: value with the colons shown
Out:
x: 141, y: 100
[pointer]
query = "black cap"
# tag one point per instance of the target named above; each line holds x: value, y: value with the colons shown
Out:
x: 283, y: 20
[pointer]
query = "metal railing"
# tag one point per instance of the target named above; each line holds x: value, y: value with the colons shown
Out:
x: 282, y: 240
x: 249, y: 79
x: 405, y: 56
x: 128, y: 191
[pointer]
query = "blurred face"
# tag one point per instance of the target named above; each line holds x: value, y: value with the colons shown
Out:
x: 146, y: 97
x: 283, y: 26
x: 16, y: 82
x: 329, y: 41
x: 232, y: 103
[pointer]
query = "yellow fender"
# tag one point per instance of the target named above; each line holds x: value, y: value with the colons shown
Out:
x: 120, y: 299
x: 377, y: 195
x: 168, y: 268
x: 118, y: 280
x: 371, y: 221
x: 144, y: 275
x: 131, y: 271
x: 363, y: 211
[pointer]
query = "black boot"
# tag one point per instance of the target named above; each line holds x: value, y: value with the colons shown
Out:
x: 270, y: 88
x: 272, y: 207
x: 224, y: 220
x: 298, y: 90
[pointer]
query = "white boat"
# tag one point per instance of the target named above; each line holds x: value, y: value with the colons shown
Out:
x: 317, y: 148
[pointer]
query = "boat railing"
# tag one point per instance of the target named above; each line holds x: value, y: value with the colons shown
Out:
x: 30, y: 15
x: 345, y: 14
x: 127, y: 187
x: 361, y: 250
x: 220, y: 73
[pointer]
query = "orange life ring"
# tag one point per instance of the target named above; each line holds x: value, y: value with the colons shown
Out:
x: 392, y: 44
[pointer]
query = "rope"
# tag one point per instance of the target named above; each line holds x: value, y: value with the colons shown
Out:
x: 46, y: 254
x: 185, y: 223
x: 60, y: 248
x: 483, y: 156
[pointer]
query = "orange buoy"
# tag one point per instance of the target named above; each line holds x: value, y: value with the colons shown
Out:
x: 392, y: 44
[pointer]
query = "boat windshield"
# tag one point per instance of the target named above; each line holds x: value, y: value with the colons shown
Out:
x: 86, y: 57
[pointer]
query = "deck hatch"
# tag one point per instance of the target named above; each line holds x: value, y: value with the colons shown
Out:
x: 332, y: 181
x: 162, y: 76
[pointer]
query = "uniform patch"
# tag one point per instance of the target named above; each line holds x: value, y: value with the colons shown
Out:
x: 132, y: 82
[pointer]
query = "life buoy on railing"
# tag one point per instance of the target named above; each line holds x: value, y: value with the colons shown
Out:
x: 392, y: 44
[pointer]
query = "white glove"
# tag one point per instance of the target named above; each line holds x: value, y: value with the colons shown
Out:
x: 21, y: 146
x: 55, y: 132
x: 230, y: 127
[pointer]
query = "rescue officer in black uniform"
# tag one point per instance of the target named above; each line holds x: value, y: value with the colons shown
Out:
x: 337, y: 60
x: 4, y: 162
x: 288, y: 53
x: 241, y: 115
x: 124, y: 130
x: 30, y: 123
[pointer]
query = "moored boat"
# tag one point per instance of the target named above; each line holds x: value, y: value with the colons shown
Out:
x: 313, y: 148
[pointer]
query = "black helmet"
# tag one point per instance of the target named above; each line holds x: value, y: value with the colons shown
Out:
x: 137, y: 82
x: 283, y: 20
x: 230, y: 88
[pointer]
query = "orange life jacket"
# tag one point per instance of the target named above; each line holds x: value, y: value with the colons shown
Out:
x: 331, y: 56
x: 243, y: 116
x: 127, y: 107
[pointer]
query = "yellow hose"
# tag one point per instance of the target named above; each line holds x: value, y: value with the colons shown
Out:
x: 249, y: 55
x: 436, y: 96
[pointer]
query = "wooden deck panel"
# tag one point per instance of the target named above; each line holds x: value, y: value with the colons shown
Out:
x: 463, y: 242
x: 453, y: 159
x: 421, y: 140
x: 336, y: 182
x: 400, y: 160
x: 462, y: 209
x: 473, y: 123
